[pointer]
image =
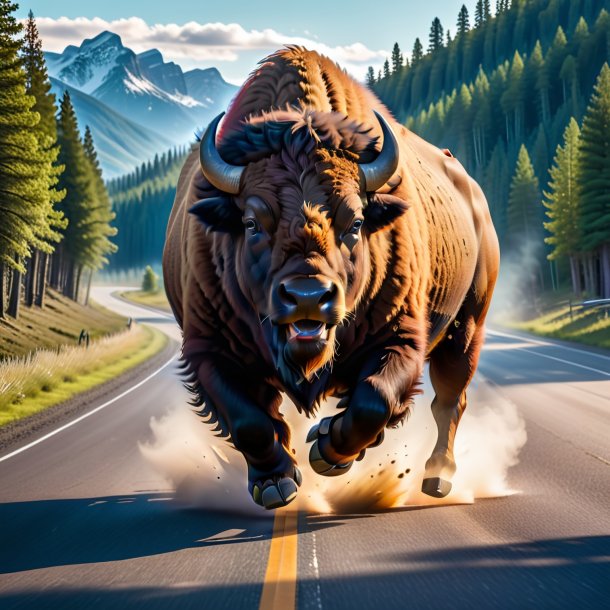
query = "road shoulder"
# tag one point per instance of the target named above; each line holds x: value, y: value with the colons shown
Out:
x: 16, y: 434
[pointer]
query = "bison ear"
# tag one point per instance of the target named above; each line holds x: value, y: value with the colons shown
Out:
x: 218, y: 214
x: 382, y: 211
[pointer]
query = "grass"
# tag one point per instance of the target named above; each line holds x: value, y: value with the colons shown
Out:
x: 590, y: 327
x: 59, y: 322
x: 152, y: 299
x: 47, y: 377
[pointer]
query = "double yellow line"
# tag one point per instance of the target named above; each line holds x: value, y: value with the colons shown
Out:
x: 280, y: 585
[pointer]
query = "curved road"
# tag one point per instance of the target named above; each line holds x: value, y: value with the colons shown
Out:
x: 87, y: 522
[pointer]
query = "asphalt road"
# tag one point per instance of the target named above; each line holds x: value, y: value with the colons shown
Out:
x: 86, y: 522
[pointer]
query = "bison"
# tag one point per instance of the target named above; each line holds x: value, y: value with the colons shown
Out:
x: 318, y: 248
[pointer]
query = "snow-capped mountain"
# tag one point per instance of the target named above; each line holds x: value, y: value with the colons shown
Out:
x: 121, y: 144
x: 143, y: 88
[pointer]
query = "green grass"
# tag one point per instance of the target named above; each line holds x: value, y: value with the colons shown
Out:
x: 59, y: 322
x: 590, y: 327
x: 152, y: 299
x: 47, y: 377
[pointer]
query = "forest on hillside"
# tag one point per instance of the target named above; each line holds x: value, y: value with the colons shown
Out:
x: 56, y: 216
x: 501, y: 95
x: 142, y: 201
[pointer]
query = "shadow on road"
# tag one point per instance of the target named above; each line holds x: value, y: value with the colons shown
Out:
x: 49, y: 533
x: 556, y: 573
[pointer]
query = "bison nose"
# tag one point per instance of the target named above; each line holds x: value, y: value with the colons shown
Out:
x: 307, y: 296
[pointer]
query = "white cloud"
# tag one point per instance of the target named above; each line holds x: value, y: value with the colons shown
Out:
x: 201, y: 42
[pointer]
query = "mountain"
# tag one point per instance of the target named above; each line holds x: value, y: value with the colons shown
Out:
x: 143, y: 87
x: 121, y: 144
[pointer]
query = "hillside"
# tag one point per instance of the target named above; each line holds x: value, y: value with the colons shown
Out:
x: 121, y: 144
x: 517, y: 78
x: 142, y: 201
x: 58, y: 323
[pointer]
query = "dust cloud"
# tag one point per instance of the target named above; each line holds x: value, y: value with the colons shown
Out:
x: 515, y: 294
x: 208, y: 473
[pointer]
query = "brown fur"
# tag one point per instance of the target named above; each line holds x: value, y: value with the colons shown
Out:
x: 435, y: 264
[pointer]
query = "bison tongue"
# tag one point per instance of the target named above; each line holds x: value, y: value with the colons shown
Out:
x: 307, y: 330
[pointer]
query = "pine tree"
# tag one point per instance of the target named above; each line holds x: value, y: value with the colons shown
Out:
x: 101, y: 214
x: 523, y: 216
x: 78, y: 181
x: 396, y: 58
x: 463, y: 21
x: 595, y: 178
x: 417, y: 53
x: 513, y: 100
x: 486, y: 10
x: 386, y: 68
x: 479, y: 14
x: 25, y: 202
x: 563, y: 203
x: 38, y: 85
x: 435, y: 38
x: 150, y: 281
x: 370, y: 77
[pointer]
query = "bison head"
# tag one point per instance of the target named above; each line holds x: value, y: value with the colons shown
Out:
x: 297, y: 191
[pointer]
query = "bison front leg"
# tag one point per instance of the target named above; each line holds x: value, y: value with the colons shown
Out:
x: 251, y: 417
x: 380, y: 398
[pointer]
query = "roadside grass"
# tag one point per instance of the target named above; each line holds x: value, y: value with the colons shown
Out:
x: 59, y: 322
x: 590, y: 327
x: 46, y: 377
x: 152, y: 299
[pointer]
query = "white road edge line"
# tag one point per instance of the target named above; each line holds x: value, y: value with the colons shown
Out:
x: 78, y: 419
x: 580, y: 366
x: 549, y: 343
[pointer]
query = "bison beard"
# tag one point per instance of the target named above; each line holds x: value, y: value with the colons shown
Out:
x: 317, y: 248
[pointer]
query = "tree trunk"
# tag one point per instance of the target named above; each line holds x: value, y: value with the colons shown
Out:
x: 575, y: 271
x: 55, y: 268
x: 41, y: 279
x: 31, y: 277
x: 89, y: 286
x: 2, y: 289
x: 605, y: 271
x: 79, y: 274
x: 15, y: 296
x: 68, y: 281
x: 592, y: 272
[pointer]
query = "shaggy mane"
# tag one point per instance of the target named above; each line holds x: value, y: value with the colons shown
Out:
x: 268, y: 133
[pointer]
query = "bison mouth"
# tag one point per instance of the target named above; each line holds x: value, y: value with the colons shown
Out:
x: 307, y: 330
x: 304, y: 347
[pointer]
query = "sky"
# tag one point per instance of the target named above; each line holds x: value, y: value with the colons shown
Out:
x: 233, y: 35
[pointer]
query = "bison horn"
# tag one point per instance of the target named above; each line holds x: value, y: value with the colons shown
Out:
x: 222, y: 175
x: 379, y: 171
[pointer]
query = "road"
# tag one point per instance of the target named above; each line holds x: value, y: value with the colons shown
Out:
x: 87, y: 522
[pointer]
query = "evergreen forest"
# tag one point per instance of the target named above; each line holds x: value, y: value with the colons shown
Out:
x: 521, y: 96
x: 56, y: 227
x: 142, y: 202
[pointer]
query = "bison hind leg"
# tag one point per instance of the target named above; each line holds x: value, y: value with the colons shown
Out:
x: 452, y: 364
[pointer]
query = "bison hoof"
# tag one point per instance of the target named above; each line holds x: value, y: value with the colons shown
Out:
x: 277, y: 492
x: 316, y: 460
x: 436, y: 487
x: 321, y: 466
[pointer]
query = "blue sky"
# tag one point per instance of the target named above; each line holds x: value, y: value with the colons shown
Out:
x: 234, y: 34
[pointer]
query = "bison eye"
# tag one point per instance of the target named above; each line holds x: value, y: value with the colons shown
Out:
x: 251, y: 225
x: 351, y: 237
x: 356, y: 226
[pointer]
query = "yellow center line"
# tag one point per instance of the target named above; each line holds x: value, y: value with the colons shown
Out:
x: 280, y: 585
